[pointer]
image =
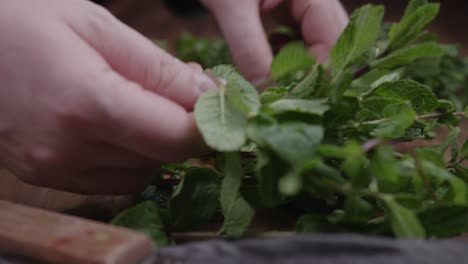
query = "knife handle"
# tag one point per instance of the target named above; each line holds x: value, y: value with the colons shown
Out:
x: 57, y: 238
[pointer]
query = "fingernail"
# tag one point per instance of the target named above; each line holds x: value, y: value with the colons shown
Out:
x: 203, y: 83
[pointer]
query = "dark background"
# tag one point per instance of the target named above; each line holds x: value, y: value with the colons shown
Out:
x: 153, y: 18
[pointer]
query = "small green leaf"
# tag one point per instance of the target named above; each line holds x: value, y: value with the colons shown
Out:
x: 308, y: 85
x: 464, y: 151
x: 446, y: 220
x: 421, y: 97
x: 385, y: 170
x: 413, y: 22
x: 221, y: 115
x: 359, y: 36
x: 408, y: 55
x: 354, y: 163
x: 269, y: 170
x: 146, y: 218
x: 237, y: 212
x: 357, y: 210
x: 397, y: 118
x: 291, y: 58
x: 432, y: 165
x: 199, y: 187
x: 295, y: 143
x: 313, y: 107
x: 404, y: 223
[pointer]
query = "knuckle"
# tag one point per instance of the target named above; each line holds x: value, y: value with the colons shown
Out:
x: 44, y: 159
x: 168, y: 73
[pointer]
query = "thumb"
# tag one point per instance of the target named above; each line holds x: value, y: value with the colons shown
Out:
x: 137, y: 59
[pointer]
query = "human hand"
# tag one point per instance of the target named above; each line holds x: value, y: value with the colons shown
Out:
x: 86, y: 103
x: 322, y: 21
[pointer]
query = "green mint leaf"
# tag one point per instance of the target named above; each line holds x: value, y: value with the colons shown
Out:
x: 432, y: 165
x: 446, y: 220
x: 385, y: 170
x: 295, y: 143
x: 239, y: 92
x: 410, y: 27
x: 408, y: 55
x: 221, y: 116
x: 357, y: 210
x: 199, y: 187
x: 464, y: 151
x: 404, y: 222
x: 291, y: 58
x: 145, y: 217
x: 237, y: 212
x: 307, y: 86
x: 354, y: 164
x: 413, y: 6
x: 269, y: 171
x: 359, y: 36
x: 273, y: 94
x: 421, y: 97
x: 312, y: 107
x: 397, y: 118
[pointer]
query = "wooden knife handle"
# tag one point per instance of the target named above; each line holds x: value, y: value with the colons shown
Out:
x: 58, y: 238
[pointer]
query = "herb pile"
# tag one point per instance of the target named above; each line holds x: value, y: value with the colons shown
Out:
x: 316, y: 145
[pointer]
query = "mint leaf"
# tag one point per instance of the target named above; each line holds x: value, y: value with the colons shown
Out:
x: 270, y: 169
x: 397, y: 118
x: 291, y: 58
x: 421, y: 97
x: 295, y: 143
x: 308, y: 85
x: 464, y: 151
x: 221, y: 115
x: 385, y: 171
x: 237, y: 212
x: 404, y: 223
x: 313, y: 107
x: 359, y: 36
x: 145, y: 217
x: 413, y: 22
x: 408, y: 55
x: 199, y: 187
x: 432, y: 166
x: 446, y: 220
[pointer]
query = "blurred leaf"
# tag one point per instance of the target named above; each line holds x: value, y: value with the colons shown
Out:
x: 290, y: 59
x: 199, y: 187
x: 146, y: 218
x: 404, y: 222
x: 359, y: 36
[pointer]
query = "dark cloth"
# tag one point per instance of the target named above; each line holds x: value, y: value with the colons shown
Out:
x: 318, y: 249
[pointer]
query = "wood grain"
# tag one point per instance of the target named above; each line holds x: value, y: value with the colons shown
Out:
x: 58, y: 238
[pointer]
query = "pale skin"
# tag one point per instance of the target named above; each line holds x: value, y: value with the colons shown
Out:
x: 89, y: 105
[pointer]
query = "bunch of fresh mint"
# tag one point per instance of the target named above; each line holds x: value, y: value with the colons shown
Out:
x: 317, y: 144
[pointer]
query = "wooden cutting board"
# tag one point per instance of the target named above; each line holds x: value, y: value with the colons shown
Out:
x: 51, y: 237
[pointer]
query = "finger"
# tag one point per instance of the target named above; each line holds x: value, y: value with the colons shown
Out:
x: 195, y: 66
x: 241, y: 25
x: 144, y: 122
x: 105, y: 106
x: 139, y: 60
x: 113, y: 181
x: 98, y: 154
x: 322, y: 22
x: 268, y: 5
